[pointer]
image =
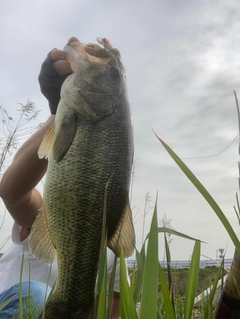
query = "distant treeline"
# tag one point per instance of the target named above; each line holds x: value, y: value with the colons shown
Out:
x: 186, y: 263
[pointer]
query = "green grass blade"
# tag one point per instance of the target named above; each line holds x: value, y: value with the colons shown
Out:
x: 46, y: 297
x: 205, y: 194
x: 103, y: 252
x: 102, y: 269
x: 142, y: 251
x: 237, y: 214
x: 150, y: 276
x: 133, y: 279
x: 192, y: 281
x: 238, y: 113
x: 238, y: 173
x: 139, y: 279
x: 169, y: 272
x: 20, y: 290
x: 174, y: 232
x: 238, y: 204
x: 111, y: 288
x: 208, y: 309
x: 101, y: 313
x: 167, y: 300
x: 102, y: 283
x: 127, y: 305
x: 237, y: 211
x: 6, y: 302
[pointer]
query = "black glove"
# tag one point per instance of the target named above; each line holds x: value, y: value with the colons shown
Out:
x: 50, y: 83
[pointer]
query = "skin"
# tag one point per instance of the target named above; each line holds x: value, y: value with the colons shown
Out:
x: 116, y: 305
x: 17, y: 187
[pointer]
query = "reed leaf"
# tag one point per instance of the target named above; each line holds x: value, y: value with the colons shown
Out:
x: 127, y: 305
x: 101, y: 313
x: 139, y: 277
x: 6, y: 302
x: 168, y: 256
x: 20, y: 289
x: 208, y: 313
x: 101, y: 285
x: 173, y: 232
x: 150, y: 276
x: 192, y: 281
x: 102, y: 269
x: 238, y: 114
x: 110, y: 289
x: 133, y: 279
x: 167, y: 300
x: 205, y: 194
x: 237, y: 210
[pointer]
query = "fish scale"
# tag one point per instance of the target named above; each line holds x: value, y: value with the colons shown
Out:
x: 91, y: 187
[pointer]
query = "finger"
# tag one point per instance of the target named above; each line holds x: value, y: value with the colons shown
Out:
x: 57, y: 55
x: 73, y: 39
x: 62, y: 67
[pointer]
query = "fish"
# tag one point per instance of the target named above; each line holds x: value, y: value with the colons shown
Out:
x: 90, y: 153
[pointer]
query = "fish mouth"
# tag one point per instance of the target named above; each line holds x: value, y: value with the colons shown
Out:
x: 91, y: 52
x: 74, y: 50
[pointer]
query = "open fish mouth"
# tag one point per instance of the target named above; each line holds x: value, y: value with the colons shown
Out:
x: 91, y: 52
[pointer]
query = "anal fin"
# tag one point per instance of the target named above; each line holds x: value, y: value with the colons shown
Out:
x: 40, y: 243
x: 124, y: 235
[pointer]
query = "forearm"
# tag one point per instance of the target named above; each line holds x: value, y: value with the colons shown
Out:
x: 17, y: 185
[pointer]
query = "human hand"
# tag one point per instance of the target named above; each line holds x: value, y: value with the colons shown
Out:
x: 54, y: 70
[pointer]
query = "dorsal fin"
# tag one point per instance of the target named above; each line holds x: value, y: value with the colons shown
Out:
x: 47, y: 143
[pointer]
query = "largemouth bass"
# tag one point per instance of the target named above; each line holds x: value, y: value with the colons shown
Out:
x: 89, y: 147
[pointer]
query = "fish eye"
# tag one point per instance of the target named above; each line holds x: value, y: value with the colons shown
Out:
x: 115, y: 72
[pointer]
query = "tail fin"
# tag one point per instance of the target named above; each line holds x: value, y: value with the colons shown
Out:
x: 56, y: 311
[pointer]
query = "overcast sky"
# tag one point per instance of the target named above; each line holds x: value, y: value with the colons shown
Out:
x: 183, y: 62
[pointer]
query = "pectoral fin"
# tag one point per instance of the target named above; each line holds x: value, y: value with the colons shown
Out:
x: 124, y: 236
x: 64, y: 137
x: 40, y: 242
x: 47, y: 143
